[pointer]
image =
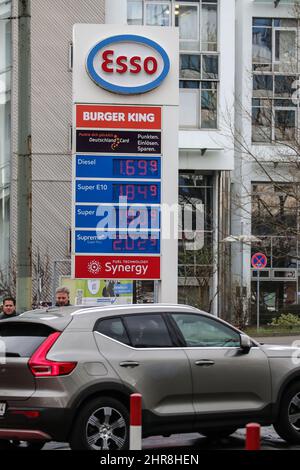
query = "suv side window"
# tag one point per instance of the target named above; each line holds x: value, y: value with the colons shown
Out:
x: 148, y: 331
x: 113, y: 328
x: 202, y: 332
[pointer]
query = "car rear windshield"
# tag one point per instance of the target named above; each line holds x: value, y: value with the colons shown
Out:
x: 22, y: 339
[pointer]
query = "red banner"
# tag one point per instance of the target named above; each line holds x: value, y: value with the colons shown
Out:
x: 117, y: 267
x: 118, y: 117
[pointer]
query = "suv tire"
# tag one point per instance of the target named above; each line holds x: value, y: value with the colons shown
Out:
x: 102, y: 424
x: 288, y: 424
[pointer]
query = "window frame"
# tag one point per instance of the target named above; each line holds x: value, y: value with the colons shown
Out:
x: 275, y: 62
x: 273, y: 73
x: 198, y: 6
x: 161, y: 2
x: 172, y: 334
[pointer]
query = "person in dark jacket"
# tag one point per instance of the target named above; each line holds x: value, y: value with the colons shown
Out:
x: 8, y: 308
x: 62, y: 297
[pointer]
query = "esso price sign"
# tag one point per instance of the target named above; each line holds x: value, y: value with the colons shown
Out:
x: 128, y: 64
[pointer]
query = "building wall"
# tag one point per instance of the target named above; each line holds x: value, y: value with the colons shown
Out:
x: 5, y: 110
x: 51, y: 27
x: 253, y: 162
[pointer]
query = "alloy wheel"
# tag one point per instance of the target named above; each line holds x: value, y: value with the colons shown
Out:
x: 294, y: 412
x: 106, y: 429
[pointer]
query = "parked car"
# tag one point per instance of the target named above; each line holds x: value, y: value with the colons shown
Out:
x: 66, y: 374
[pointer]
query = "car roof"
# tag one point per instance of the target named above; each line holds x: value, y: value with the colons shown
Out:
x: 83, y: 317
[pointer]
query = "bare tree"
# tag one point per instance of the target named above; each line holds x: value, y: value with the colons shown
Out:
x: 41, y: 277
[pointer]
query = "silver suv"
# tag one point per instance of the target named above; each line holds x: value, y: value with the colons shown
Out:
x: 67, y: 374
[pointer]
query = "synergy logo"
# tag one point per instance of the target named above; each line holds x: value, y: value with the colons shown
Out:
x: 128, y: 64
x: 94, y: 267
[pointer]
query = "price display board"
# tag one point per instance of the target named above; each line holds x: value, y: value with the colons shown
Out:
x: 116, y: 242
x: 107, y: 216
x: 118, y: 167
x: 117, y: 192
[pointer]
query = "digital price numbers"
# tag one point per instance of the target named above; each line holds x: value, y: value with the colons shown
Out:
x: 118, y: 167
x: 121, y: 192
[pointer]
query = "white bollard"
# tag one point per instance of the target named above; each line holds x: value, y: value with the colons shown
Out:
x: 135, y: 435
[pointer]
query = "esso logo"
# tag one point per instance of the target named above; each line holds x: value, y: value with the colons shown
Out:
x: 128, y: 64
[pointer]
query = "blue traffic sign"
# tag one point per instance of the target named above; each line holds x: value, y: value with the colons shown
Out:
x: 259, y: 261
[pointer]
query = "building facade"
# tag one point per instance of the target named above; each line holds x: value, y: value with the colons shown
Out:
x: 238, y: 64
x: 266, y: 204
x: 5, y: 129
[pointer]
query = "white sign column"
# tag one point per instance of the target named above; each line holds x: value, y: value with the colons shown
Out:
x: 125, y: 95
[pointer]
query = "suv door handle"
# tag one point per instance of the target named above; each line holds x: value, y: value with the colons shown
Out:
x: 204, y: 363
x: 129, y: 364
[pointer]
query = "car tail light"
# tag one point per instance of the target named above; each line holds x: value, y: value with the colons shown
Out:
x: 40, y: 366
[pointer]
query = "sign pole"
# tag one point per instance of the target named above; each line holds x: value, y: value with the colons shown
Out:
x: 259, y: 261
x: 257, y: 299
x: 125, y: 153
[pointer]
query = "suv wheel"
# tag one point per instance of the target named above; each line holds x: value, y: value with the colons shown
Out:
x: 217, y: 433
x: 288, y: 424
x: 102, y: 424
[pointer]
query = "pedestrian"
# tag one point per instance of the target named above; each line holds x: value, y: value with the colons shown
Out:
x: 8, y: 308
x: 62, y: 297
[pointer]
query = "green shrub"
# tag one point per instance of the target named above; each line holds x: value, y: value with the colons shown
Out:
x: 287, y: 320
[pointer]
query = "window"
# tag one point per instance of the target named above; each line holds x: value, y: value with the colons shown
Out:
x: 195, y: 245
x: 275, y: 220
x: 148, y: 331
x: 158, y: 13
x: 21, y: 339
x: 197, y: 21
x: 209, y: 26
x: 187, y: 19
x: 285, y: 50
x: 113, y: 328
x: 274, y: 58
x: 135, y: 12
x: 202, y: 332
x: 274, y: 209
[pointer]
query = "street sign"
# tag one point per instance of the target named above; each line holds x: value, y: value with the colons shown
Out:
x: 123, y: 143
x: 259, y: 261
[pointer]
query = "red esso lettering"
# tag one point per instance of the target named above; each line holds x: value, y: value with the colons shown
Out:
x: 150, y: 65
x: 123, y: 64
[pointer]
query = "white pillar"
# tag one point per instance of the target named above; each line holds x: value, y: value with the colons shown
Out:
x: 115, y: 11
x: 169, y: 238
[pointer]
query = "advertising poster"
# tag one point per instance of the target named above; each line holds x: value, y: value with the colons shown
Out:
x: 98, y: 291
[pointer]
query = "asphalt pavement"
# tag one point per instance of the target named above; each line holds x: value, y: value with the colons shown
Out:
x: 269, y: 441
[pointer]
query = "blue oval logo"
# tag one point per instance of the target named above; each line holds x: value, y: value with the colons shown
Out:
x: 157, y: 66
